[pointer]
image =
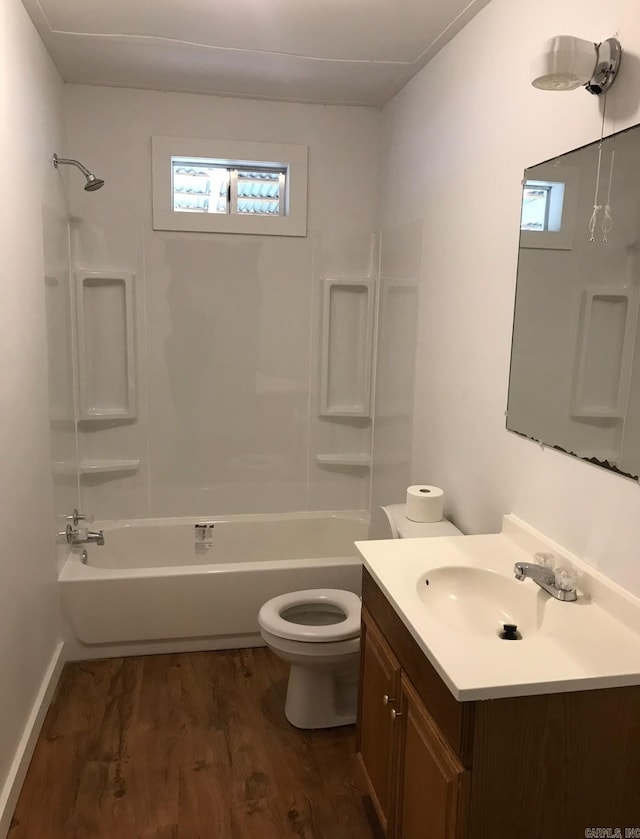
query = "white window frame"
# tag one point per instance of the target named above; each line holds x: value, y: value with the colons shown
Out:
x: 565, y: 186
x: 293, y: 158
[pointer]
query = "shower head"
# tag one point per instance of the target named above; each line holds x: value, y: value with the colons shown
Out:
x: 92, y: 183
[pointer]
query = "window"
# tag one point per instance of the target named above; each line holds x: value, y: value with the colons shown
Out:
x: 535, y: 208
x: 229, y: 186
x: 209, y: 186
x: 548, y: 208
x: 542, y: 206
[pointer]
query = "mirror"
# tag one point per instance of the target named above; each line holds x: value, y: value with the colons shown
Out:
x: 575, y: 361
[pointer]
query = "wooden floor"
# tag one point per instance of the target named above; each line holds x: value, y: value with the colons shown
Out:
x: 189, y: 746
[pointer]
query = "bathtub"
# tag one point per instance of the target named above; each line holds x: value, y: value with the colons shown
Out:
x: 203, y: 578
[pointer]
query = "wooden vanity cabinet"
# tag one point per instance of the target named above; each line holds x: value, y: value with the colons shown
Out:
x: 376, y: 740
x: 433, y: 795
x: 520, y: 767
x: 416, y: 782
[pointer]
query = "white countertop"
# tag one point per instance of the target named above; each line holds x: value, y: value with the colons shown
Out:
x: 591, y: 643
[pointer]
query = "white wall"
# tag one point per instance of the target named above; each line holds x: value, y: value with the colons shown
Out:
x: 30, y: 131
x: 456, y: 140
x: 227, y: 326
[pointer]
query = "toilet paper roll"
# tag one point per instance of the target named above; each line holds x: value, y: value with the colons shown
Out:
x: 424, y: 503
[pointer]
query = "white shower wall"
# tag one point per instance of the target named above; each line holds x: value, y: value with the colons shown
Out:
x: 227, y: 326
x: 399, y: 299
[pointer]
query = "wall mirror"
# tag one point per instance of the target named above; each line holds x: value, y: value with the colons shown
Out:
x: 575, y: 359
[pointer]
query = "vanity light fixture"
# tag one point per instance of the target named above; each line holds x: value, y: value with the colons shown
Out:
x: 568, y: 63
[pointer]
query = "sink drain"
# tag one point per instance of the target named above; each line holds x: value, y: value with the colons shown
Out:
x: 510, y: 632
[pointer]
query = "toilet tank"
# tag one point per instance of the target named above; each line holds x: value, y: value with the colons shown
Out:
x: 390, y: 522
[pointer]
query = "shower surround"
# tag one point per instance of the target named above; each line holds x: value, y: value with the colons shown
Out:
x: 227, y: 328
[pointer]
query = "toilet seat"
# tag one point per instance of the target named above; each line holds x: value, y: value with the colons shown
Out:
x: 271, y: 620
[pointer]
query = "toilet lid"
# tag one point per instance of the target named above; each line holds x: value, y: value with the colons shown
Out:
x: 271, y: 617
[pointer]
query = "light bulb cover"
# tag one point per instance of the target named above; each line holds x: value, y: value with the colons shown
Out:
x: 566, y: 63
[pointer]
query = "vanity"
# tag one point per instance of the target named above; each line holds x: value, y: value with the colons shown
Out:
x: 463, y: 734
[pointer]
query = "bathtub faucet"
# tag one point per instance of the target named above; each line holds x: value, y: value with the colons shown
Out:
x: 80, y: 535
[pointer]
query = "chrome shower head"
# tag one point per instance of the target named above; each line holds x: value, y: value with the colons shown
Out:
x: 92, y: 183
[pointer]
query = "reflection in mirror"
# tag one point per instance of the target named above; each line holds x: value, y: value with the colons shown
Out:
x: 575, y: 361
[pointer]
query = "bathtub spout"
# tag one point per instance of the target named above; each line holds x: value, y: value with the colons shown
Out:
x: 97, y: 537
x: 80, y: 535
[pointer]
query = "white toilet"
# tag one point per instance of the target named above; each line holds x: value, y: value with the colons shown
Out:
x: 390, y: 522
x: 318, y: 632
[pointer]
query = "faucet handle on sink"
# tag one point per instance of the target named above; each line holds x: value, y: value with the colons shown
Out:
x: 566, y: 578
x: 547, y: 560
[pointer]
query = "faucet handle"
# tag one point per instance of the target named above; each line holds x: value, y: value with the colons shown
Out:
x: 547, y: 560
x: 66, y: 534
x: 76, y: 517
x: 69, y: 533
x: 566, y: 578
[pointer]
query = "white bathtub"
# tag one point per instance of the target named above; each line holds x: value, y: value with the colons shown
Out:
x: 168, y: 579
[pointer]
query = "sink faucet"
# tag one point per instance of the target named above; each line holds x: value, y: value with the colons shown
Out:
x: 545, y: 577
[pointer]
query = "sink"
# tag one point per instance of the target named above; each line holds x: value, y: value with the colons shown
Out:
x: 480, y: 601
x: 593, y: 642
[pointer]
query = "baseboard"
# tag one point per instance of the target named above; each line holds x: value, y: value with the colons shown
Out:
x: 20, y: 764
x: 77, y: 651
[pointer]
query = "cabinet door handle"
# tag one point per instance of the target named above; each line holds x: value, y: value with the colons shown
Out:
x: 387, y: 700
x: 395, y: 714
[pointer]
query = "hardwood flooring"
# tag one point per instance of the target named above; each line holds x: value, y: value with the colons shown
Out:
x: 188, y: 746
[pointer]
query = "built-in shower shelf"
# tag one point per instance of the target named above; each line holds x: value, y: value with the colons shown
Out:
x: 63, y: 467
x: 106, y: 345
x: 95, y: 467
x: 347, y: 343
x: 348, y: 459
x: 604, y: 361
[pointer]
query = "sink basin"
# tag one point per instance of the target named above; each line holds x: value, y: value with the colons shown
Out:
x: 480, y: 601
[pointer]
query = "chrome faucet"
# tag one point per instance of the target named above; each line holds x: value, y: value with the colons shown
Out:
x: 76, y: 535
x: 547, y: 579
x: 96, y: 536
x: 81, y: 536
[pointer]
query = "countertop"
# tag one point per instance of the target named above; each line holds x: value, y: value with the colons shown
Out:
x: 591, y: 643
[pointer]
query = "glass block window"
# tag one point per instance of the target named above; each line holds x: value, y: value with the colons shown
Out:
x: 215, y: 186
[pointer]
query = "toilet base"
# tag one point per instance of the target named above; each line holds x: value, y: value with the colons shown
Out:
x: 322, y: 697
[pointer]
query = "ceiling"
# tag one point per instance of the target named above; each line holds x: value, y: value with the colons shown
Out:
x: 352, y: 52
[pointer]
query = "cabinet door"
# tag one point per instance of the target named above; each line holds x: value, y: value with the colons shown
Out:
x: 379, y: 696
x: 433, y: 786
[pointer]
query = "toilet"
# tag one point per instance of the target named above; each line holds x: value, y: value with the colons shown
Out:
x: 317, y: 631
x: 390, y: 522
